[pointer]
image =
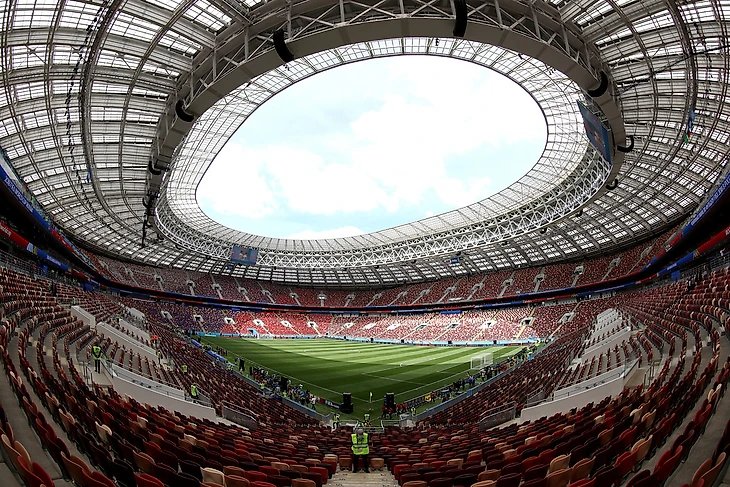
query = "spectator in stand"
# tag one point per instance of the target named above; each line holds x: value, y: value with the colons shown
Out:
x: 96, y: 352
x: 360, y: 449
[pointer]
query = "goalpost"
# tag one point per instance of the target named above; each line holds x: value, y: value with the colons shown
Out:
x: 481, y: 360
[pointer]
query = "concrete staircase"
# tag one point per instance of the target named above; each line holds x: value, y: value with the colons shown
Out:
x: 522, y: 328
x: 345, y: 478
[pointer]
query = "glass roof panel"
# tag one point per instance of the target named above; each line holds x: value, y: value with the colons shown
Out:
x: 565, y: 141
x: 662, y: 180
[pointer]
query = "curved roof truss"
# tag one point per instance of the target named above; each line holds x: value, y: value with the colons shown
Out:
x: 564, y: 178
x: 84, y: 153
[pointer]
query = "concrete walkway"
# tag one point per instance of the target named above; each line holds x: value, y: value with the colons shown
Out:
x: 706, y: 352
x: 705, y: 445
x: 21, y: 429
x: 345, y: 478
x: 7, y: 478
x: 33, y: 359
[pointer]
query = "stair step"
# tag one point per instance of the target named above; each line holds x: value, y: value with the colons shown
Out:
x: 345, y: 478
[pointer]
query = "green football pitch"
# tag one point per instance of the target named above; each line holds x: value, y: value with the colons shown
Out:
x: 330, y: 367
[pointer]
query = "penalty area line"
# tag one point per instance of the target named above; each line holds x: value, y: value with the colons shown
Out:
x: 392, y: 379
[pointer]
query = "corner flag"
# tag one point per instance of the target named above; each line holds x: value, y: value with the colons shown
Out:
x: 371, y: 397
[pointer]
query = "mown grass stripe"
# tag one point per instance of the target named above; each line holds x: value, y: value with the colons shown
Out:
x: 330, y: 367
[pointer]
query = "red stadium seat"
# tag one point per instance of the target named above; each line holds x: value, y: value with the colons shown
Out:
x: 254, y: 476
x: 146, y: 480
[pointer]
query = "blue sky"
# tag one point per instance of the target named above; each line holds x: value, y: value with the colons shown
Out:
x: 372, y: 145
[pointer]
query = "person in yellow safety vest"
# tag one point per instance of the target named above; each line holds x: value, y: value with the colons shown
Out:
x: 336, y: 421
x: 96, y: 352
x: 413, y: 412
x: 360, y: 449
x: 262, y: 386
x: 194, y: 392
x: 185, y: 369
x: 366, y: 418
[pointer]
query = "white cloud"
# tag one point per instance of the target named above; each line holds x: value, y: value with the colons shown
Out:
x: 409, y: 148
x: 348, y: 231
x: 234, y: 185
x: 458, y: 193
x: 312, y: 185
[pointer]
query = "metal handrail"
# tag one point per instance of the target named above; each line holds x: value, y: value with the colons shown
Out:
x: 129, y: 338
x: 148, y: 382
x: 496, y: 409
x: 594, y: 382
x: 241, y: 416
x: 145, y: 375
x: 497, y: 415
x: 535, y: 397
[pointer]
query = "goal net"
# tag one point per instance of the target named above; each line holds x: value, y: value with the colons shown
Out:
x: 481, y: 360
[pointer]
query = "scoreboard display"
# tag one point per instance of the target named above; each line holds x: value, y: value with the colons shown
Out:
x: 245, y: 256
x: 596, y: 132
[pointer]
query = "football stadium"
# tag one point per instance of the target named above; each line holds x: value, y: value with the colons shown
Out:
x: 329, y: 367
x: 413, y: 243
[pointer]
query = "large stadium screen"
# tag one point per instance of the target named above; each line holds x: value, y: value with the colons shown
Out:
x: 242, y: 255
x: 596, y: 132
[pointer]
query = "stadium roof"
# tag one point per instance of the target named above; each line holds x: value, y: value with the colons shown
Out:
x: 88, y: 120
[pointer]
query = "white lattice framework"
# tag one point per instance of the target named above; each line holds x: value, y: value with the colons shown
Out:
x: 563, y: 180
x: 135, y: 59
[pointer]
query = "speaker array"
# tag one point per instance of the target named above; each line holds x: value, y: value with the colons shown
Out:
x: 280, y: 46
x: 460, y: 23
x: 346, y: 406
x: 390, y: 400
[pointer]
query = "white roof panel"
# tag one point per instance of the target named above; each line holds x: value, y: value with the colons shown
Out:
x: 63, y: 118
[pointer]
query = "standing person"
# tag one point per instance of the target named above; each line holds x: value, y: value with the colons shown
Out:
x: 241, y: 365
x: 194, y: 392
x: 360, y: 449
x: 96, y: 352
x: 159, y: 356
x: 336, y: 421
x: 314, y: 402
